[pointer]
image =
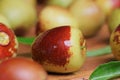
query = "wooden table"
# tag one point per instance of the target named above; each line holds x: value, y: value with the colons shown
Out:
x: 90, y: 64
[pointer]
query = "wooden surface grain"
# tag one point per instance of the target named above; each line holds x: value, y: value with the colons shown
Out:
x: 85, y: 71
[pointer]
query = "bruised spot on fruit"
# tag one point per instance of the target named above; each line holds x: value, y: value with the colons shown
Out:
x: 4, y: 39
x: 54, y: 50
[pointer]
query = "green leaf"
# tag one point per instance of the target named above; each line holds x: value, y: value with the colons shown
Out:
x: 106, y: 71
x: 98, y: 52
x: 26, y: 40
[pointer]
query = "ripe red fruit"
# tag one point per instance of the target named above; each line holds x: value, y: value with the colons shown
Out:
x: 21, y: 69
x: 8, y: 42
x: 61, y: 49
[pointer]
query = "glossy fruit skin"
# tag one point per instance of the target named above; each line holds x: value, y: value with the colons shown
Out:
x: 115, y: 42
x: 9, y: 48
x: 114, y: 20
x: 51, y: 47
x: 89, y: 15
x: 21, y: 68
x: 58, y: 52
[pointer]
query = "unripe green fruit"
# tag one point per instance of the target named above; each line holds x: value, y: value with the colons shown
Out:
x: 114, y: 19
x: 89, y: 15
x: 61, y: 3
x: 31, y: 2
x: 3, y: 20
x: 54, y: 16
x: 108, y: 6
x: 18, y: 13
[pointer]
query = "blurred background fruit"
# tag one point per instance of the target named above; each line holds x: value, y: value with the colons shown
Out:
x: 21, y: 68
x: 61, y: 3
x: 4, y: 20
x: 53, y: 16
x: 89, y: 15
x: 20, y: 16
x: 31, y: 2
x: 108, y: 5
x: 114, y: 19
